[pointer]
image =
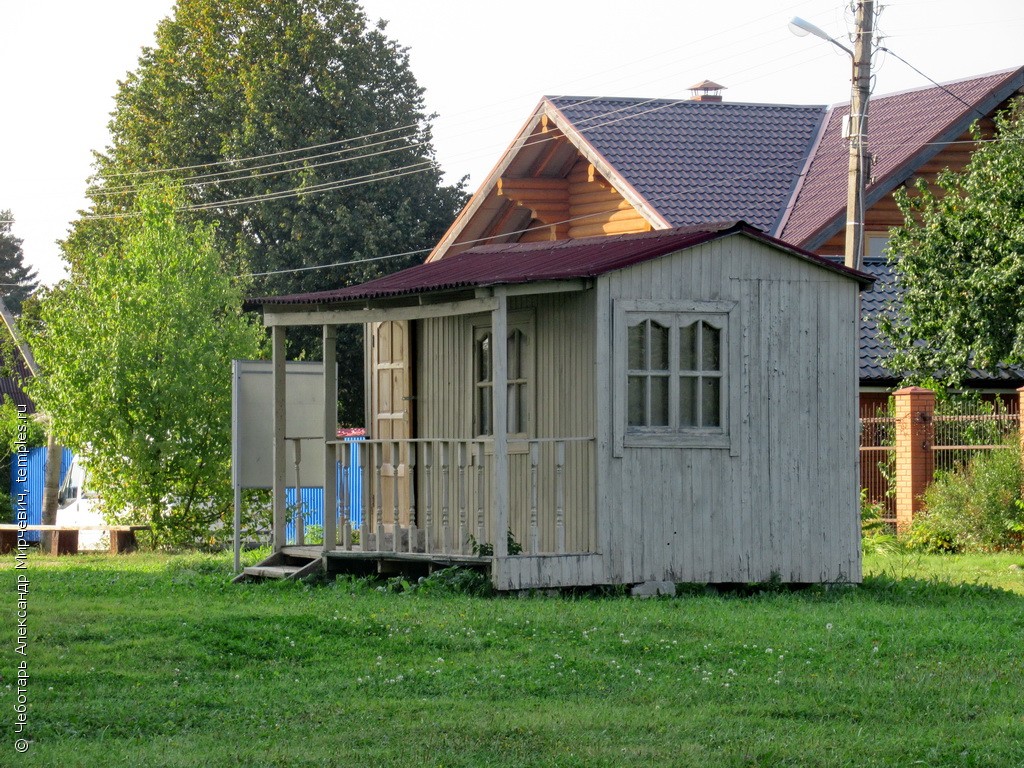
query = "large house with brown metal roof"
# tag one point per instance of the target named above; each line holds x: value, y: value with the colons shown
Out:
x: 592, y: 166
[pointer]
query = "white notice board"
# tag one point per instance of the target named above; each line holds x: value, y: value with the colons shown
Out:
x: 252, y: 423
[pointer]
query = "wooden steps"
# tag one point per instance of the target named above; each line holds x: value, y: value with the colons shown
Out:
x: 291, y: 563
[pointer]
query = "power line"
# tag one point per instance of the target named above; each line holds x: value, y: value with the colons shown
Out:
x: 157, y: 171
x: 972, y: 107
x: 244, y: 174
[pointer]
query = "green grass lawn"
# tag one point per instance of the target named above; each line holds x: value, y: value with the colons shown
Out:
x: 150, y: 660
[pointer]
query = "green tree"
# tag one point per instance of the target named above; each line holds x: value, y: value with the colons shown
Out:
x: 17, y: 280
x: 326, y: 106
x: 135, y: 351
x: 959, y: 261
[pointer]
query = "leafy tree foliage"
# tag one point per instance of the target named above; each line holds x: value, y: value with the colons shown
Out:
x: 959, y: 260
x: 17, y: 280
x: 135, y: 353
x: 327, y: 107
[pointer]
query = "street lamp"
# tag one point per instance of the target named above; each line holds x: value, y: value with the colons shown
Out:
x: 860, y: 55
x: 802, y: 28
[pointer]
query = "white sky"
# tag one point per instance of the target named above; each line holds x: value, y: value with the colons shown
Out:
x: 484, y: 66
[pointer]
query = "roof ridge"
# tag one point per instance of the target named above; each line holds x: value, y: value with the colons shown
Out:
x: 684, y: 100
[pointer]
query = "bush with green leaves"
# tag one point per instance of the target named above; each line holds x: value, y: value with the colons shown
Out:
x: 977, y: 507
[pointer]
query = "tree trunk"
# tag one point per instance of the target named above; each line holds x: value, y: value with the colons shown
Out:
x: 51, y: 490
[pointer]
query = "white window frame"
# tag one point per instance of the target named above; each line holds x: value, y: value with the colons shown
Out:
x: 722, y: 315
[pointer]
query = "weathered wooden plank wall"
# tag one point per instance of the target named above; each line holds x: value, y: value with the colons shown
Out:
x: 786, y: 504
x: 561, y: 398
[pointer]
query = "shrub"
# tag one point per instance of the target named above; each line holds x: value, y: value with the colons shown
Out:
x: 977, y: 507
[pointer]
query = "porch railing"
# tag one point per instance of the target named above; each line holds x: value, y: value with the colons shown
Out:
x: 434, y: 496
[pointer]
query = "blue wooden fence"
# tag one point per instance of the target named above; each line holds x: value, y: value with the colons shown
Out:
x: 313, y: 498
x: 32, y: 484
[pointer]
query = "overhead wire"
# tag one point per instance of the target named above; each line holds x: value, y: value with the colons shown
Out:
x: 235, y: 161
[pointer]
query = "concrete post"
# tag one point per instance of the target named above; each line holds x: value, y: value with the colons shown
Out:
x: 915, y: 462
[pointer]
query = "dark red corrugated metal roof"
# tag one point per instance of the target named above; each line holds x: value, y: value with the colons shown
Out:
x: 517, y: 263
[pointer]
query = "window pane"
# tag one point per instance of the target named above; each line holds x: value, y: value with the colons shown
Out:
x: 688, y: 347
x: 516, y: 419
x: 659, y: 401
x: 659, y: 347
x: 711, y: 405
x: 637, y: 344
x: 484, y: 413
x: 515, y: 357
x: 687, y: 401
x: 484, y: 358
x: 520, y: 423
x: 637, y: 401
x: 710, y: 343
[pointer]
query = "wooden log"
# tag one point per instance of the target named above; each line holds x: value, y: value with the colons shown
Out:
x: 591, y: 188
x: 609, y: 196
x: 549, y: 216
x: 610, y: 228
x: 601, y: 206
x: 545, y: 233
x: 535, y: 185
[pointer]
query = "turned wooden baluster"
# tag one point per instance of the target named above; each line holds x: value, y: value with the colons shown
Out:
x: 446, y: 533
x: 428, y: 497
x: 534, y: 527
x: 560, y: 496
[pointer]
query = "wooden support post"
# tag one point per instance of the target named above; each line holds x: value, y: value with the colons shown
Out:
x: 330, y: 343
x: 560, y: 497
x: 280, y: 453
x: 915, y: 461
x: 428, y: 497
x: 499, y: 392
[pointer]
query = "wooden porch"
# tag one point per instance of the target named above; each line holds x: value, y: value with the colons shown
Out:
x: 429, y: 504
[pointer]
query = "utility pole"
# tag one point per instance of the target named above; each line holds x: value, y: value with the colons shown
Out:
x: 858, y: 138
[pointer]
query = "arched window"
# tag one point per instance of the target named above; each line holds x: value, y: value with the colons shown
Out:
x: 519, y: 357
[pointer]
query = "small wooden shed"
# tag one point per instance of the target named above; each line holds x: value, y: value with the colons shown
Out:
x: 672, y: 406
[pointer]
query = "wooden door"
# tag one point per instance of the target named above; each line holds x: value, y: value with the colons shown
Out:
x: 391, y: 414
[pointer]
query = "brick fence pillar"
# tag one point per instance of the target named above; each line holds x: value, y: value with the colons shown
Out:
x: 1020, y: 417
x: 915, y: 463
